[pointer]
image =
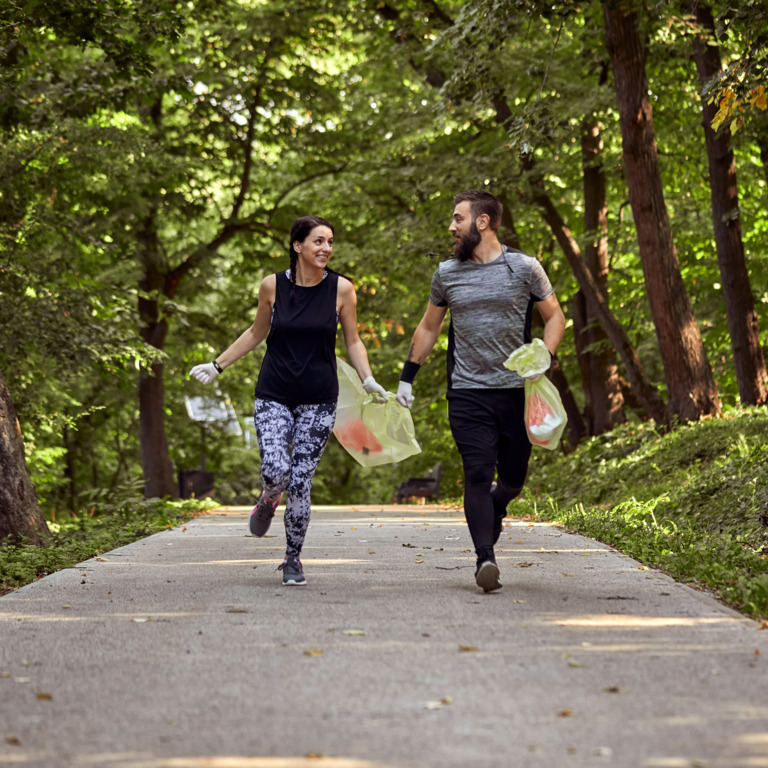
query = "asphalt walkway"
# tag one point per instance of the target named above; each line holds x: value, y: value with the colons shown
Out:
x: 185, y: 651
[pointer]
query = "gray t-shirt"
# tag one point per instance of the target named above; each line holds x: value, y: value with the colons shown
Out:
x: 491, y: 306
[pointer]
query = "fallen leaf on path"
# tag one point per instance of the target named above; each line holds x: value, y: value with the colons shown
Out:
x: 313, y: 652
x: 353, y: 632
x: 102, y: 559
x: 524, y: 565
x: 565, y: 712
x: 44, y: 696
x: 576, y: 664
x: 440, y: 703
x: 569, y: 574
x: 467, y: 647
x: 613, y: 689
x: 764, y: 625
x: 14, y: 741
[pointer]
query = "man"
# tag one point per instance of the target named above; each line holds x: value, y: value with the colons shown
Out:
x: 490, y: 290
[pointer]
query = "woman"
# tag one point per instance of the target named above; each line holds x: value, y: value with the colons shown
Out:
x: 297, y: 389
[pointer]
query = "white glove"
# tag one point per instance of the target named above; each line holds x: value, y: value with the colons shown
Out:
x: 372, y: 388
x: 405, y: 394
x: 204, y: 373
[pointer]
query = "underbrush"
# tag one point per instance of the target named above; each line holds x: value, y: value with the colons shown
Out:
x: 693, y: 502
x: 103, y: 526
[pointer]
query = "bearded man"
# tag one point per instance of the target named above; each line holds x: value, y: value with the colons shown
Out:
x: 491, y: 290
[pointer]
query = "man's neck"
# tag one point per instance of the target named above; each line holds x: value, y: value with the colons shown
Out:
x: 489, y: 250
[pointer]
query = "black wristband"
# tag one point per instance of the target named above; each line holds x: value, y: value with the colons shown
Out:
x: 410, y: 369
x: 217, y: 367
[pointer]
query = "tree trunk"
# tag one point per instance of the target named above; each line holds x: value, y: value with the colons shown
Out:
x: 20, y: 514
x: 691, y: 390
x: 597, y: 360
x: 641, y: 385
x: 739, y: 303
x: 156, y: 462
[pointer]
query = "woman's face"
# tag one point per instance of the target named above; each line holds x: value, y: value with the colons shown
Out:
x: 316, y: 248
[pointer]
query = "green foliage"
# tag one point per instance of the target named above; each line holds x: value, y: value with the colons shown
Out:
x: 693, y: 502
x: 111, y: 524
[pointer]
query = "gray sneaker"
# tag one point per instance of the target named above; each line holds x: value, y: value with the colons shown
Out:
x: 487, y: 576
x: 262, y: 514
x: 293, y: 576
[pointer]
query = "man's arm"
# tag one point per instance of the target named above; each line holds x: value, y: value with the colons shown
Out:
x: 427, y: 333
x: 424, y: 338
x: 554, y: 322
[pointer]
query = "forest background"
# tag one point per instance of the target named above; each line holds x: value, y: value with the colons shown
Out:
x: 155, y: 153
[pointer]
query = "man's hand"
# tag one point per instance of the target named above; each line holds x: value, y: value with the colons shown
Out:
x: 405, y: 394
x: 204, y: 373
x: 372, y: 388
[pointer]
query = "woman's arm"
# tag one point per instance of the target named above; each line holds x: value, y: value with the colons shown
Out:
x: 346, y: 301
x: 253, y: 336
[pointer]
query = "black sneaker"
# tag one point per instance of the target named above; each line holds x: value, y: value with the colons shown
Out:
x: 487, y: 576
x: 262, y: 514
x: 293, y: 576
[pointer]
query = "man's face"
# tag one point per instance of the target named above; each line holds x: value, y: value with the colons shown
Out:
x: 464, y: 230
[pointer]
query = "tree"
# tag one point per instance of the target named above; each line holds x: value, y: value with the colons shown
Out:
x: 20, y: 514
x: 691, y: 389
x: 748, y: 357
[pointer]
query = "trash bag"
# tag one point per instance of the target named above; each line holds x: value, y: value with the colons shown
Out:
x: 372, y: 433
x: 545, y: 416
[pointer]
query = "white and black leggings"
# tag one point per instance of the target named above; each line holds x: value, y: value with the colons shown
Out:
x: 306, y: 429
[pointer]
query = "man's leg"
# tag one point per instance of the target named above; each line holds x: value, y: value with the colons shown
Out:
x: 475, y: 429
x: 514, y: 452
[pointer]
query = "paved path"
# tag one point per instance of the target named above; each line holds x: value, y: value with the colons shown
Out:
x: 184, y: 651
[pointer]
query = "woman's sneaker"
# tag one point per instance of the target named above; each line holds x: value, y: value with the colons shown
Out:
x: 487, y: 576
x: 293, y: 576
x: 263, y: 512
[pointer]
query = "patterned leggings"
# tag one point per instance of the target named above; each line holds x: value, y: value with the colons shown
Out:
x: 308, y: 428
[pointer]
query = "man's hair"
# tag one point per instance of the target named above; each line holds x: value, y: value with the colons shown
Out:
x: 482, y: 202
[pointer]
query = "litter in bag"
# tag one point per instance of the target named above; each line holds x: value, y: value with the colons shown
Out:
x: 372, y: 433
x: 545, y: 416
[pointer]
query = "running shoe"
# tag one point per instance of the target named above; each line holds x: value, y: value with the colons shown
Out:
x: 263, y: 512
x: 293, y: 576
x: 487, y: 576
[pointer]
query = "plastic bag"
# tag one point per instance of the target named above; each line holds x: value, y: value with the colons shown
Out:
x: 545, y: 416
x: 372, y: 433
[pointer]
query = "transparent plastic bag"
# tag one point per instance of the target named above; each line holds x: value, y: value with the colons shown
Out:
x: 545, y: 416
x: 372, y: 433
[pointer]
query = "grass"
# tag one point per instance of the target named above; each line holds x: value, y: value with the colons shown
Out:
x: 105, y: 526
x: 692, y: 503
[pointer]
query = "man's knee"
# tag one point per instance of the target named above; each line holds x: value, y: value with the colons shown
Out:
x: 506, y: 492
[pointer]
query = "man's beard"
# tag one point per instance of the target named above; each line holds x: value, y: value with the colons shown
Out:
x: 464, y: 247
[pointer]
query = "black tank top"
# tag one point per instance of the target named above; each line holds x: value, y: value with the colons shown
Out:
x: 300, y: 363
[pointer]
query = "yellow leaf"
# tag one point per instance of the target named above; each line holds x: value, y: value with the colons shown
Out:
x: 313, y: 652
x: 467, y: 647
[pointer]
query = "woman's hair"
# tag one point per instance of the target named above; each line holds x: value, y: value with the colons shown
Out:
x: 300, y: 229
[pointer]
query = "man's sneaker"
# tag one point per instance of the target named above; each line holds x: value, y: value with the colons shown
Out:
x: 487, y: 576
x: 293, y: 576
x: 262, y: 514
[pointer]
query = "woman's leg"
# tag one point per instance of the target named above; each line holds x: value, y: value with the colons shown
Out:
x: 312, y: 428
x: 274, y: 431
